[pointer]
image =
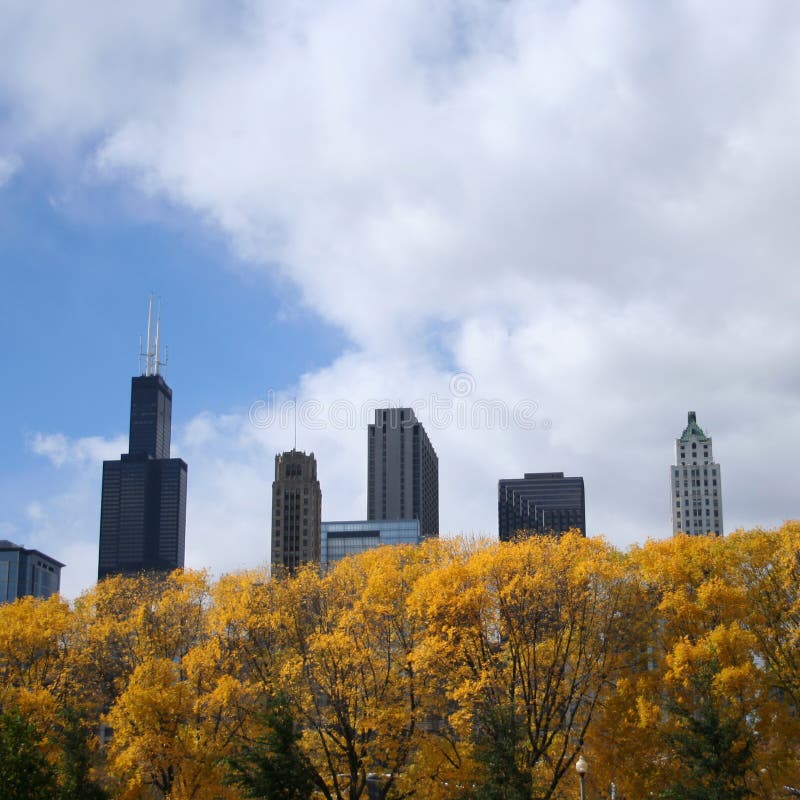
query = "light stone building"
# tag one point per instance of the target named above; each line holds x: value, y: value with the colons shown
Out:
x: 696, y: 484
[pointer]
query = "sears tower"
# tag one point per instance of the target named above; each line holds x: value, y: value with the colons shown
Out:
x: 143, y: 504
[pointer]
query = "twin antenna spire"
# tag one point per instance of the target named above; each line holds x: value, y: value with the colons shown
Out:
x: 152, y: 355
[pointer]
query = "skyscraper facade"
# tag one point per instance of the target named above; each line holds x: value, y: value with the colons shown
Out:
x: 402, y: 471
x: 27, y: 572
x: 695, y: 483
x: 540, y: 503
x: 296, y: 511
x: 143, y: 501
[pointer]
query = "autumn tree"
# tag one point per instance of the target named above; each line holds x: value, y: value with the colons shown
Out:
x: 769, y: 569
x: 694, y: 717
x: 177, y: 713
x: 350, y: 670
x: 35, y: 637
x: 525, y: 638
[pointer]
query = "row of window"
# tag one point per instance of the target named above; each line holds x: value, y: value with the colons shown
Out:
x: 697, y: 512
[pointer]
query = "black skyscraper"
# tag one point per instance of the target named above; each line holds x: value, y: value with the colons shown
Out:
x: 541, y: 502
x: 143, y: 504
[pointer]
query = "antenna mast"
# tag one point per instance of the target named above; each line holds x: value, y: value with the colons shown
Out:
x: 149, y: 354
x: 158, y: 333
x: 152, y: 356
x: 295, y: 423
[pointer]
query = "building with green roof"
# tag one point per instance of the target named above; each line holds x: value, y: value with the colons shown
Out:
x: 695, y: 483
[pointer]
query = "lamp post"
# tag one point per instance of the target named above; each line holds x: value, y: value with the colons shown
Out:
x: 581, y: 767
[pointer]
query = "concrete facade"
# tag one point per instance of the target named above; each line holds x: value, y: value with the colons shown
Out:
x: 402, y: 471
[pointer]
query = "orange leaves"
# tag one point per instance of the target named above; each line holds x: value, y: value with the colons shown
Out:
x: 443, y: 666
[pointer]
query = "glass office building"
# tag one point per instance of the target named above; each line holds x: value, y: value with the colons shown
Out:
x: 540, y: 503
x: 343, y: 539
x: 27, y: 572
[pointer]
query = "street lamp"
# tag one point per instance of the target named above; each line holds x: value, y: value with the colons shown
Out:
x: 581, y: 767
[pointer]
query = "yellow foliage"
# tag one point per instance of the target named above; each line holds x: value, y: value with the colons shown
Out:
x: 431, y: 664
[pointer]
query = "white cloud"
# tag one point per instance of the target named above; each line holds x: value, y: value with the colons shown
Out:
x: 591, y: 205
x: 9, y: 165
x: 61, y: 450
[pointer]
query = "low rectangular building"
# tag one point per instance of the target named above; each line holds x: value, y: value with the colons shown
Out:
x: 25, y: 572
x: 540, y: 503
x: 343, y: 539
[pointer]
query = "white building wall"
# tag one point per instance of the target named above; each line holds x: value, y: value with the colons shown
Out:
x: 695, y: 485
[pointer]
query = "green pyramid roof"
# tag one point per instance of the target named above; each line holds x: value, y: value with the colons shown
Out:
x: 693, y: 429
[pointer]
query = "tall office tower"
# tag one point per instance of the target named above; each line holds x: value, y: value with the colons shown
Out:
x: 402, y: 471
x: 696, y: 483
x: 27, y: 572
x: 296, y: 510
x: 539, y: 503
x: 143, y: 503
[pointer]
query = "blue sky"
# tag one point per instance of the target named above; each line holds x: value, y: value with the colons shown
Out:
x: 77, y: 281
x: 587, y: 209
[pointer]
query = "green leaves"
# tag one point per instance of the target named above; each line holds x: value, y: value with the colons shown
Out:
x: 25, y: 773
x: 271, y: 765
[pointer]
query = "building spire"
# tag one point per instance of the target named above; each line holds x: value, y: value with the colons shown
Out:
x: 158, y: 334
x: 152, y: 355
x: 149, y: 329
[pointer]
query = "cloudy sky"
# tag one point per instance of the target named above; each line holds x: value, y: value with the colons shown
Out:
x: 552, y: 227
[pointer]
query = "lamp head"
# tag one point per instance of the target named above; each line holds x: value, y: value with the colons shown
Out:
x: 581, y: 765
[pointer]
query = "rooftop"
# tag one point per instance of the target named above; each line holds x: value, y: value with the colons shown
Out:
x: 692, y: 429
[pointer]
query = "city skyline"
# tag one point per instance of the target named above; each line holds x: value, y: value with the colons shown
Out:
x: 582, y: 211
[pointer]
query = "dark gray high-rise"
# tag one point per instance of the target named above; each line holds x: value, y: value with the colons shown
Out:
x: 402, y: 471
x: 540, y: 503
x: 143, y: 503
